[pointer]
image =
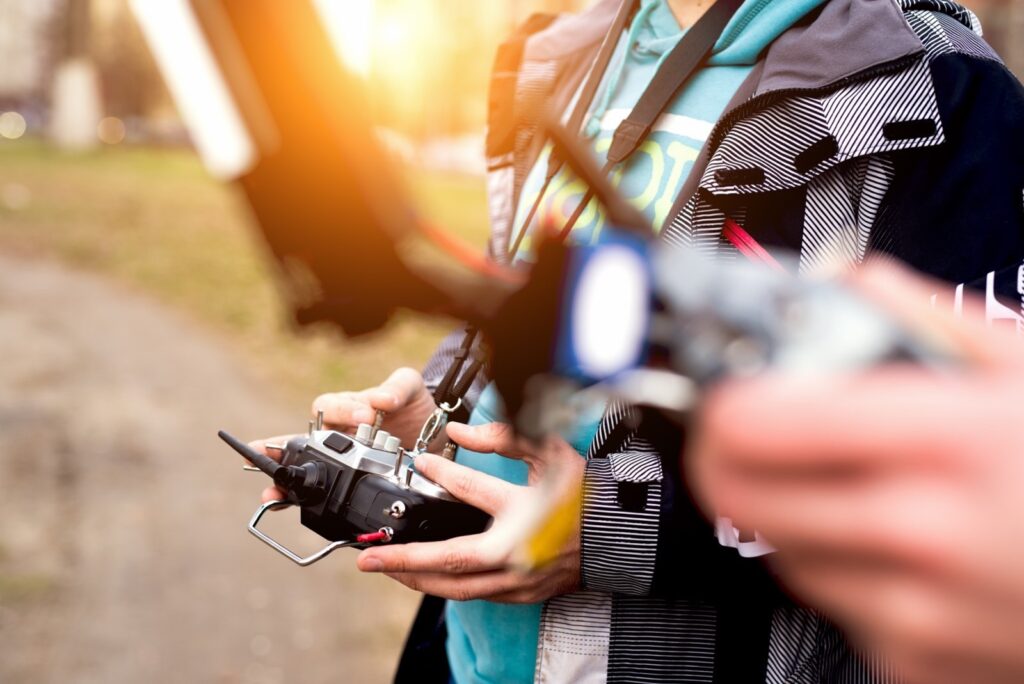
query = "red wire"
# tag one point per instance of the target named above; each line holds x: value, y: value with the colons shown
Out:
x: 467, y: 255
x: 373, y: 537
x: 748, y: 246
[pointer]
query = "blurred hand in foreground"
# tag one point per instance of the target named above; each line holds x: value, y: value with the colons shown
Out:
x: 475, y: 566
x: 895, y: 498
x: 403, y: 397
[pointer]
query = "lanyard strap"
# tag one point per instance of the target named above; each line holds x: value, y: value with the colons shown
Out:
x: 692, y: 51
x: 449, y: 391
x: 583, y: 102
x: 588, y: 91
x: 686, y: 57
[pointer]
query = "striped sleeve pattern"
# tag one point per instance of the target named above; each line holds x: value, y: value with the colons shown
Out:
x: 840, y: 211
x: 636, y: 466
x: 955, y: 10
x: 662, y: 640
x: 806, y: 122
x: 583, y: 620
x: 697, y: 226
x: 794, y: 647
x: 942, y: 34
x: 805, y: 648
x: 841, y: 664
x: 830, y: 228
x: 614, y: 416
x: 619, y: 546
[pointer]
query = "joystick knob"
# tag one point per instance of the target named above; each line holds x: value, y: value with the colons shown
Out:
x: 381, y: 439
x: 363, y: 433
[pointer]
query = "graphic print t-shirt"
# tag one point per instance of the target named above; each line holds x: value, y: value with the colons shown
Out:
x: 652, y: 177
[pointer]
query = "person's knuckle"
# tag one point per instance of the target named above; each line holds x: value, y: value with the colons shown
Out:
x: 915, y: 665
x: 911, y: 532
x: 410, y: 581
x: 406, y: 372
x: 923, y: 547
x: 405, y: 377
x: 463, y: 593
x: 323, y: 401
x: 520, y: 596
x: 918, y: 629
x: 716, y: 422
x: 915, y: 617
x: 464, y: 483
x: 500, y: 432
x: 334, y: 404
x: 457, y: 560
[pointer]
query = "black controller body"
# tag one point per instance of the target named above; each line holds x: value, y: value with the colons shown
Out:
x: 369, y: 489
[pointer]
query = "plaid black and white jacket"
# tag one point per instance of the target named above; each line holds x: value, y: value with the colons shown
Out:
x: 873, y: 126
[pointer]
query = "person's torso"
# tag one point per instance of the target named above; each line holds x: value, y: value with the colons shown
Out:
x: 490, y: 642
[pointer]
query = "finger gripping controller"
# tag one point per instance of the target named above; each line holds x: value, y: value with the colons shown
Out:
x: 358, y: 491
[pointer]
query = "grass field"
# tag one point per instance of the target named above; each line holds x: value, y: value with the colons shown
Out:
x: 153, y: 220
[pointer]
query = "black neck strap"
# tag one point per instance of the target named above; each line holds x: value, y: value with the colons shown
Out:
x: 690, y: 52
x: 575, y: 122
x: 594, y: 77
x: 686, y: 57
x: 449, y: 391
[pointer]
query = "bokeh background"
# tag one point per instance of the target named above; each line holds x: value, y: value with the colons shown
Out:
x: 138, y: 315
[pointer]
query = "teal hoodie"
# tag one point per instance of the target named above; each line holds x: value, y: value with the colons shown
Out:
x: 656, y: 172
x: 489, y: 642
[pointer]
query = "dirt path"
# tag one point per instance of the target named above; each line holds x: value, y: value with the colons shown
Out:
x: 123, y: 550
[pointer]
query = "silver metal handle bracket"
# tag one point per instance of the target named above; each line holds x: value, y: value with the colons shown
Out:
x: 280, y: 548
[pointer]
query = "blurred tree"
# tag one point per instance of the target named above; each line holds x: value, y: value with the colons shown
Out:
x: 25, y: 51
x: 132, y: 85
x: 432, y: 58
x: 75, y: 106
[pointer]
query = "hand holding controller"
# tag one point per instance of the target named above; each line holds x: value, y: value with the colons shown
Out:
x: 357, y: 490
x: 403, y: 397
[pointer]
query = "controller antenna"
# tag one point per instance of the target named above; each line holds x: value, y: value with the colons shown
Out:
x: 264, y: 463
x: 307, y: 481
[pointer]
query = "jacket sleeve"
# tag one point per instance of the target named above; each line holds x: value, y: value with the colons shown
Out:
x: 621, y: 521
x: 642, y: 534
